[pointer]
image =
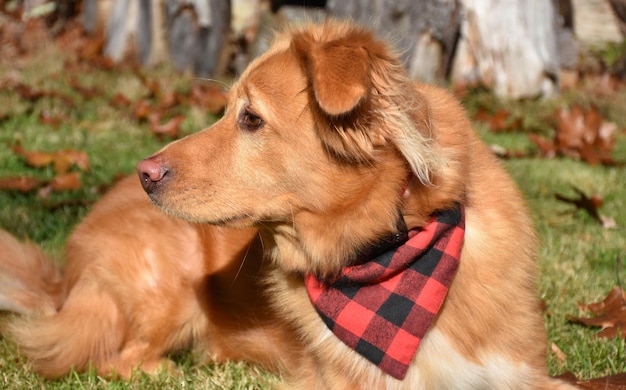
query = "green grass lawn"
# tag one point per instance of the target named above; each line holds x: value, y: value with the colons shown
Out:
x: 579, y: 260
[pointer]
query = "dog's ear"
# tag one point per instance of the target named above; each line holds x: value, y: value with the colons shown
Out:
x: 366, y: 96
x: 338, y: 70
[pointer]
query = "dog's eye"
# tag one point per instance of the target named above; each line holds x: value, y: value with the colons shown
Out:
x: 249, y: 121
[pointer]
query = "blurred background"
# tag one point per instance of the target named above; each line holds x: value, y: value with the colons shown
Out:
x: 516, y: 48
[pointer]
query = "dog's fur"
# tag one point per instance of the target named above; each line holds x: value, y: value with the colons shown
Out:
x: 316, y: 146
x: 138, y: 284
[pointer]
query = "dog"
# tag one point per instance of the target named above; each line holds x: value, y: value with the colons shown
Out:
x: 354, y: 175
x: 341, y: 225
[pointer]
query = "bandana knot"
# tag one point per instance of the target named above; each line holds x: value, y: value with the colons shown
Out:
x: 383, y: 307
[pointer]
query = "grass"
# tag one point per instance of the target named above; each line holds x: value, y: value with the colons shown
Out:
x: 578, y: 258
x: 231, y: 376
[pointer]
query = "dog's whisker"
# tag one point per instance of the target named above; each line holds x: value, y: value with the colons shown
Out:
x: 241, y: 264
x: 224, y: 84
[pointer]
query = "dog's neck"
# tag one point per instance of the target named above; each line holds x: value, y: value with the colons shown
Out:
x: 324, y: 243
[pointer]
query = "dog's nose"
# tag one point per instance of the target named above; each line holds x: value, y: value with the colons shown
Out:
x: 151, y: 174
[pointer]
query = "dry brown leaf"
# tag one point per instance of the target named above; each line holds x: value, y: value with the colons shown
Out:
x: 501, y: 121
x: 560, y: 355
x: 547, y: 149
x: 604, y: 84
x: 142, y: 110
x: 153, y: 86
x: 590, y: 204
x: 33, y: 158
x: 62, y: 160
x: 92, y: 47
x: 119, y: 100
x: 170, y: 100
x: 29, y: 93
x: 87, y: 93
x: 65, y: 182
x: 580, y: 133
x: 23, y: 184
x: 584, y: 202
x: 65, y: 159
x: 170, y: 128
x: 611, y: 382
x: 51, y: 119
x: 610, y: 314
x: 209, y: 96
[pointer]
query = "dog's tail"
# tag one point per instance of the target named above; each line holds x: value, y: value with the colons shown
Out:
x: 54, y: 330
x: 29, y: 281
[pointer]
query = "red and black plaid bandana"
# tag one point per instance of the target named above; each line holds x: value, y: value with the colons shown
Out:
x: 383, y: 307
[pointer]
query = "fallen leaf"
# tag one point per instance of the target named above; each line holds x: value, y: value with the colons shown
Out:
x: 51, y: 119
x: 584, y: 202
x: 33, y: 158
x: 142, y: 110
x: 611, y: 382
x: 170, y: 128
x: 604, y: 84
x: 582, y: 134
x: 62, y: 160
x: 501, y: 121
x: 65, y: 182
x: 29, y: 93
x: 572, y: 132
x: 103, y: 62
x: 153, y: 86
x: 590, y: 205
x: 209, y: 97
x: 170, y: 100
x: 4, y: 117
x: 585, y: 134
x: 547, y: 149
x: 72, y: 37
x: 610, y: 314
x: 23, y: 184
x: 119, y: 100
x: 560, y: 356
x: 67, y: 158
x: 87, y: 93
x: 92, y: 46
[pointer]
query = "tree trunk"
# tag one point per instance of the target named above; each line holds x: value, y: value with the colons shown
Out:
x: 194, y: 33
x: 508, y: 46
x: 619, y: 8
x: 198, y: 32
x: 595, y: 22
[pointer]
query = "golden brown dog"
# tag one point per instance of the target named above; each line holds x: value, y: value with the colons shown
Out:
x: 337, y: 158
x: 324, y: 144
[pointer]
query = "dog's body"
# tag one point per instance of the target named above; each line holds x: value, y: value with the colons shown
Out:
x: 139, y: 284
x: 325, y: 142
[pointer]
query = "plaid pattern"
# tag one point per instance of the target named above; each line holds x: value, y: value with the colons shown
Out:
x: 382, y: 308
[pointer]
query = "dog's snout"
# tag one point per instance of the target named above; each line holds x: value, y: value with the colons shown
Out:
x: 151, y: 174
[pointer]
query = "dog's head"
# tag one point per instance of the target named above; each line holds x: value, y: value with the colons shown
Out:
x: 320, y: 135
